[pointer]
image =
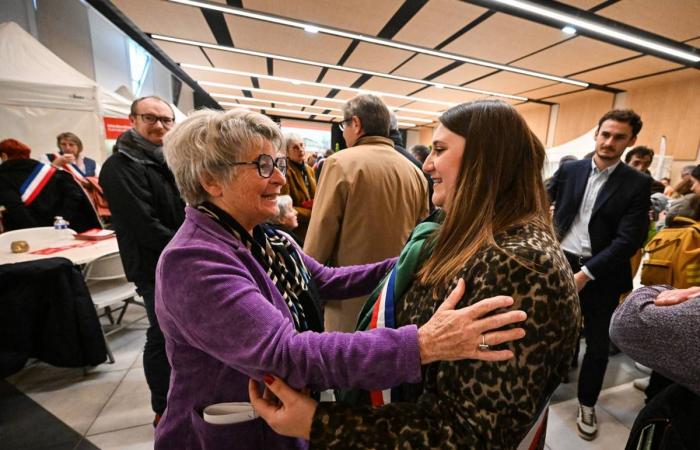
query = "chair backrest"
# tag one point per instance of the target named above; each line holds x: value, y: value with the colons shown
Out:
x: 27, y: 234
x: 107, y: 267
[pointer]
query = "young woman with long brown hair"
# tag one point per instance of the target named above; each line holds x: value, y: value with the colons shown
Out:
x: 496, y: 236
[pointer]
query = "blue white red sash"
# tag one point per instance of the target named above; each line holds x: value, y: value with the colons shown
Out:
x: 76, y: 172
x: 383, y: 317
x: 35, y: 183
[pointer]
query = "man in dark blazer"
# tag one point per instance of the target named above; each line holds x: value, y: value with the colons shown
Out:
x: 601, y: 217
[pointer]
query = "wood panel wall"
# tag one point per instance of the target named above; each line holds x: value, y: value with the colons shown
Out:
x: 579, y: 112
x: 537, y: 118
x: 669, y: 105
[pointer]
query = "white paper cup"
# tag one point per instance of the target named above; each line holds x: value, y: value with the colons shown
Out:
x: 228, y: 413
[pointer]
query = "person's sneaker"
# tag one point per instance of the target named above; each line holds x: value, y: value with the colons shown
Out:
x: 586, y: 422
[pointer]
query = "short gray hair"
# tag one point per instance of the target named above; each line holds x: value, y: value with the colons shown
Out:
x: 285, y: 204
x: 290, y: 137
x: 208, y: 142
x: 371, y: 111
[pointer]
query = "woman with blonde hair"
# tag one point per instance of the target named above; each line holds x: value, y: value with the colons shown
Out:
x: 497, y: 237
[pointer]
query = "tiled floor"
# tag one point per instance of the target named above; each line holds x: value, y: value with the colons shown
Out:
x: 110, y: 404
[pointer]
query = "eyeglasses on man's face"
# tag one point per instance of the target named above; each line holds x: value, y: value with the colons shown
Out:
x: 266, y: 165
x: 342, y: 124
x: 151, y: 119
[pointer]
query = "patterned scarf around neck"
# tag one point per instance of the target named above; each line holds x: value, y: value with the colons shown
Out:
x: 282, y: 263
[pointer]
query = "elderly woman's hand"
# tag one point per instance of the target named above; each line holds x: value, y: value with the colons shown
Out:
x: 676, y: 296
x: 292, y: 412
x: 462, y: 334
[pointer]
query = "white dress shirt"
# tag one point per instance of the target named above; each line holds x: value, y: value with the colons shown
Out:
x: 577, y: 240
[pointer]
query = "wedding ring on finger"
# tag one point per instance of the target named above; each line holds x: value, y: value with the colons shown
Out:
x: 483, y: 346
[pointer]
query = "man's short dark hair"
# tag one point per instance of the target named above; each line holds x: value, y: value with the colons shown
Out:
x: 696, y: 173
x: 135, y: 103
x: 372, y: 112
x: 420, y: 151
x: 640, y: 151
x: 624, y: 116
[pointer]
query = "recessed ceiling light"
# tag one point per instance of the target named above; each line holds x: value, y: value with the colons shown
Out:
x: 311, y: 29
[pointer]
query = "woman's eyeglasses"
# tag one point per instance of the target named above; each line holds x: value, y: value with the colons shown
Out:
x: 266, y: 165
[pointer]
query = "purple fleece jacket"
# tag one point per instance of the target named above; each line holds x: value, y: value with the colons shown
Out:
x: 225, y: 322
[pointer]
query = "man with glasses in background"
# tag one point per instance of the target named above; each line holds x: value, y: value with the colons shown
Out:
x: 146, y: 212
x: 367, y: 202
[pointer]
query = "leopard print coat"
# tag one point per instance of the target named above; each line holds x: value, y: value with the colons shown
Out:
x: 475, y: 404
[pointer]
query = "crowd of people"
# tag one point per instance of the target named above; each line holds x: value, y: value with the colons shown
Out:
x: 440, y: 291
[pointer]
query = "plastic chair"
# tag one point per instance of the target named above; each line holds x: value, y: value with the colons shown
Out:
x: 108, y: 286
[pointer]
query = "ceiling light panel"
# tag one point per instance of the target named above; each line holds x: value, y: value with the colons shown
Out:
x: 600, y: 29
x: 370, y: 39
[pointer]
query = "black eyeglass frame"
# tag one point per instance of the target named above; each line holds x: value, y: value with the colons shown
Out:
x: 342, y: 125
x: 161, y: 119
x: 274, y: 163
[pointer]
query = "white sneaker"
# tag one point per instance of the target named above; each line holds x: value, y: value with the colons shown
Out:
x: 586, y: 422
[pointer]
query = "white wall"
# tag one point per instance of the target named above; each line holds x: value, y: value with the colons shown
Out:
x: 21, y: 12
x: 110, y: 53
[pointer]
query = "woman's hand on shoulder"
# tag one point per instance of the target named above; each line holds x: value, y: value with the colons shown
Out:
x: 465, y: 333
x: 676, y: 296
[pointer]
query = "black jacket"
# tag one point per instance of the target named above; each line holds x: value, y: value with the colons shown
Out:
x: 146, y: 206
x: 619, y: 222
x: 46, y: 312
x: 60, y: 197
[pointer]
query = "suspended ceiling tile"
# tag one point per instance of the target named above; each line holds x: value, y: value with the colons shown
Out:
x: 582, y: 4
x: 376, y: 57
x: 421, y: 66
x: 626, y: 70
x: 554, y: 89
x: 279, y: 98
x: 234, y: 61
x: 695, y: 43
x: 436, y: 21
x: 463, y: 74
x: 575, y: 55
x: 508, y: 83
x: 339, y: 77
x: 300, y: 115
x: 289, y: 87
x: 503, y: 38
x: 362, y: 16
x: 676, y: 20
x: 390, y: 86
x: 447, y: 95
x: 225, y: 91
x: 422, y: 105
x: 250, y: 34
x: 294, y: 70
x: 158, y: 17
x: 680, y: 76
x: 181, y: 53
x: 201, y: 75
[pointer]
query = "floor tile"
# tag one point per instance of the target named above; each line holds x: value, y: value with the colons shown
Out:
x: 137, y: 438
x: 130, y: 405
x: 622, y: 402
x: 76, y: 400
x: 126, y: 346
x: 562, y: 435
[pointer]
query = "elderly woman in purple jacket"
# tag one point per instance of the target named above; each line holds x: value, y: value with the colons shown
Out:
x: 238, y: 300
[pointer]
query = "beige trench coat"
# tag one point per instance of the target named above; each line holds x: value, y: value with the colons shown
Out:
x: 369, y: 199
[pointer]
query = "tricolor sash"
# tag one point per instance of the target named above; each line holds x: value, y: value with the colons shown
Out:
x: 378, y: 311
x: 36, y: 182
x: 71, y: 168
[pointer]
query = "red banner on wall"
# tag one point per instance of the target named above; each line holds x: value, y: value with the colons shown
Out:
x: 115, y: 126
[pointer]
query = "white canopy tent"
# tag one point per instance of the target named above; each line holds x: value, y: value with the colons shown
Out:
x: 578, y: 147
x: 42, y: 96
